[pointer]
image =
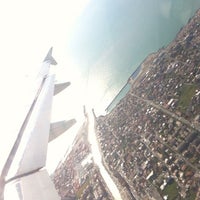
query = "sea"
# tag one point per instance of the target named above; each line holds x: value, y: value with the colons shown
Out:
x: 112, y: 37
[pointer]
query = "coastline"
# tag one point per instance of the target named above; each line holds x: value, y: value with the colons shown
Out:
x: 109, y: 107
x: 133, y: 79
x: 124, y: 192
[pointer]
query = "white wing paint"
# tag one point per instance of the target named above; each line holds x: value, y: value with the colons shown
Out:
x: 23, y: 175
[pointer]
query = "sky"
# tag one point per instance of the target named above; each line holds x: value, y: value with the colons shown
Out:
x: 28, y: 29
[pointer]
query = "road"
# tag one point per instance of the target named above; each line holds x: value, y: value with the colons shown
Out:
x: 173, y: 115
x: 184, y: 121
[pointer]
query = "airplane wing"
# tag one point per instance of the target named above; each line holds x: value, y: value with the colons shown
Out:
x: 23, y: 175
x: 36, y: 185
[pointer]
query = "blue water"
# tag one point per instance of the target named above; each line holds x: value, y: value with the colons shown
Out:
x: 112, y: 37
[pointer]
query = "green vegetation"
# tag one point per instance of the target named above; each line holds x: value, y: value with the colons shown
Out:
x: 186, y: 93
x: 171, y: 190
x: 82, y: 188
x: 194, y: 159
x: 191, y: 195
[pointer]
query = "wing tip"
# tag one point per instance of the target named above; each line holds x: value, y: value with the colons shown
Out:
x: 49, y: 58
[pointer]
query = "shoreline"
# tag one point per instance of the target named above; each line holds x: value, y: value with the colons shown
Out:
x: 131, y: 77
x: 123, y: 191
x: 107, y: 108
x: 135, y: 77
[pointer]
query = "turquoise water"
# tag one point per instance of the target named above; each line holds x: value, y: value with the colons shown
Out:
x: 112, y: 37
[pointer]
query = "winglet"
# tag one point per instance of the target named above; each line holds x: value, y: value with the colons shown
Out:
x: 49, y: 58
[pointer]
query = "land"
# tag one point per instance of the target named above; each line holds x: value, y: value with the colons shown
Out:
x: 78, y: 177
x: 151, y: 140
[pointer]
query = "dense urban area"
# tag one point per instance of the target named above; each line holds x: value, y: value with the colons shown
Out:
x: 150, y: 142
x: 78, y: 177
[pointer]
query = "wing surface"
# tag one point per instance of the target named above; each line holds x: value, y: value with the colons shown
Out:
x: 23, y: 173
x: 31, y: 187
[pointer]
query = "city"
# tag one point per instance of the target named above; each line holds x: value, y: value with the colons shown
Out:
x: 150, y: 142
